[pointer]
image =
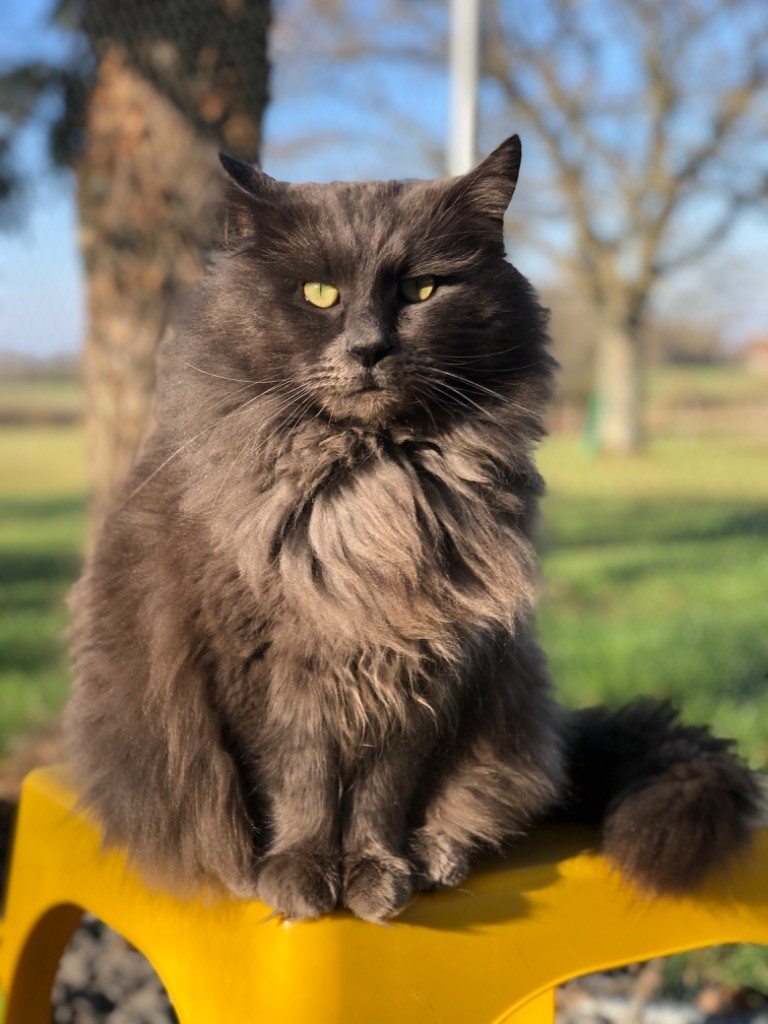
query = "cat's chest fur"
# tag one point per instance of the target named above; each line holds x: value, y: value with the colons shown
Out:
x: 375, y: 545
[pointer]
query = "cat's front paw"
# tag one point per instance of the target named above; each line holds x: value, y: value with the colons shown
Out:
x: 441, y: 862
x: 376, y: 886
x: 299, y: 884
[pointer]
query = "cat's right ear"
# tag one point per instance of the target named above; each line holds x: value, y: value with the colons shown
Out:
x: 490, y: 185
x: 249, y: 191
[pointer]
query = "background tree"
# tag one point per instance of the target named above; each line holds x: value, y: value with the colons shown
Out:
x: 643, y: 127
x: 145, y: 94
x: 648, y: 175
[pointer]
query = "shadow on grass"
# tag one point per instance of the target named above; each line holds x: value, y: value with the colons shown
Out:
x: 41, y: 509
x: 611, y: 522
x: 39, y: 561
x: 54, y: 571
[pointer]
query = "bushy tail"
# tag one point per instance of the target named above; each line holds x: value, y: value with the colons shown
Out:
x: 673, y: 802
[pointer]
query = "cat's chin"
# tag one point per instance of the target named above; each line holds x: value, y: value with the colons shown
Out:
x: 372, y: 406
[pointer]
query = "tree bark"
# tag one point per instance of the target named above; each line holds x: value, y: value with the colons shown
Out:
x: 148, y: 188
x: 618, y: 388
x: 138, y: 257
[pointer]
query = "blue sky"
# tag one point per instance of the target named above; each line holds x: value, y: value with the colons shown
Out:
x: 346, y: 116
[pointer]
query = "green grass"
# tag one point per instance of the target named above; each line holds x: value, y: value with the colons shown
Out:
x: 655, y: 572
x: 42, y: 526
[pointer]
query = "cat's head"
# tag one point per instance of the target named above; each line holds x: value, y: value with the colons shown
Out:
x: 372, y: 302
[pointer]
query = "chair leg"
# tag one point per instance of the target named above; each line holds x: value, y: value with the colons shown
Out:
x: 29, y: 1000
x: 540, y: 1010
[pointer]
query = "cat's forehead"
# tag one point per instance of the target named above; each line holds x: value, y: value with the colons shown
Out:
x: 372, y: 207
x: 376, y: 223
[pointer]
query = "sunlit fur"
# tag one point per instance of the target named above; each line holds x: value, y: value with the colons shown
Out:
x: 305, y: 660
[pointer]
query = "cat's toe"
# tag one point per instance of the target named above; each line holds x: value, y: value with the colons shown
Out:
x: 376, y: 886
x: 441, y: 862
x: 299, y: 885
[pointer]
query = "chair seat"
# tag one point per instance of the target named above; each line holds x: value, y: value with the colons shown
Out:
x: 494, y: 948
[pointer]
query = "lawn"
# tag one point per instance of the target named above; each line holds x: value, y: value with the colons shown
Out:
x: 42, y: 527
x: 656, y: 579
x: 655, y: 576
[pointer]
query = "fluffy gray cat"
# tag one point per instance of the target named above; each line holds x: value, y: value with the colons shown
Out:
x: 306, y: 665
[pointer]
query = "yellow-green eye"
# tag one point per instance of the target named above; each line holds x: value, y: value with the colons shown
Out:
x: 322, y: 295
x: 417, y: 289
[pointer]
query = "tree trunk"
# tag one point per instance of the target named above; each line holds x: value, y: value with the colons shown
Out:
x: 148, y: 187
x: 137, y: 258
x: 618, y: 387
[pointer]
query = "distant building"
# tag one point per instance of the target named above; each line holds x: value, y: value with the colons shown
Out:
x: 756, y: 355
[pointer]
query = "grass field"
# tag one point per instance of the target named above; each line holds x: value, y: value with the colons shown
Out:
x: 655, y: 576
x: 42, y: 526
x: 29, y: 397
x: 656, y: 579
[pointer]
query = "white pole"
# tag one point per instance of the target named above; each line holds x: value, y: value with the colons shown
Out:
x: 464, y: 71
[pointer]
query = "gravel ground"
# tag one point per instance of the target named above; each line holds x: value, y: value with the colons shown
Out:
x: 104, y: 980
x: 635, y: 995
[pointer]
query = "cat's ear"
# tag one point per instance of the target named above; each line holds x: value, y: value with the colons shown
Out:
x: 489, y: 187
x: 249, y: 191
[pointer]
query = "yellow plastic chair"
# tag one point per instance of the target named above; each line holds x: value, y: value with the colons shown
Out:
x: 492, y: 951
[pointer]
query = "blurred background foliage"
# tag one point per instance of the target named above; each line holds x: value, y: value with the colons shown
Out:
x: 640, y: 216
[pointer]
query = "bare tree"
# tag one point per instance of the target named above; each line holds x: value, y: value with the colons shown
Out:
x: 644, y: 127
x: 650, y: 163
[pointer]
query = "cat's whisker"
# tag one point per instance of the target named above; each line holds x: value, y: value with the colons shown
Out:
x: 446, y: 360
x: 304, y: 395
x: 295, y: 405
x: 431, y: 396
x: 473, y: 384
x: 470, y: 404
x: 466, y: 402
x: 491, y: 371
x: 493, y: 354
x: 223, y: 401
x: 303, y: 408
x: 162, y: 465
x: 183, y: 447
x: 251, y: 441
x: 236, y: 380
x: 425, y: 406
x: 248, y: 443
x: 251, y: 401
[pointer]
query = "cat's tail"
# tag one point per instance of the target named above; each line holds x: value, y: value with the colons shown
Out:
x: 673, y: 802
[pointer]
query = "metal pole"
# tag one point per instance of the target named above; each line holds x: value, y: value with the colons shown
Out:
x: 464, y: 71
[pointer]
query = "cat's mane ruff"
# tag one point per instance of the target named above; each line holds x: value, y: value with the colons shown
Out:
x: 393, y: 553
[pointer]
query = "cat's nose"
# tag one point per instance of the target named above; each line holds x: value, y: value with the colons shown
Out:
x: 371, y: 350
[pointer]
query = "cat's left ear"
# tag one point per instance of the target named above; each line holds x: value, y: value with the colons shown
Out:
x: 250, y: 191
x: 489, y: 187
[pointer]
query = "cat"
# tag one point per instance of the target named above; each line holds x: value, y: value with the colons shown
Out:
x: 306, y: 667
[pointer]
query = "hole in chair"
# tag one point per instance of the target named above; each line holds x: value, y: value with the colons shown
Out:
x: 716, y: 985
x: 103, y: 979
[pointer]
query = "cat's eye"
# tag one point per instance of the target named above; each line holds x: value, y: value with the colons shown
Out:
x: 322, y: 295
x: 417, y: 289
